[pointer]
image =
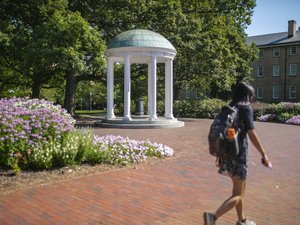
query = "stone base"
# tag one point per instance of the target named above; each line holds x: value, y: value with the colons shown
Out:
x: 139, y: 122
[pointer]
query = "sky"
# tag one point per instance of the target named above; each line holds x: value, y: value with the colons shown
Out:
x: 272, y: 16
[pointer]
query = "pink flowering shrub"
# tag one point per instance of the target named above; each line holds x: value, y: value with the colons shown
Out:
x: 281, y: 112
x: 119, y: 150
x: 294, y: 120
x: 26, y: 124
x: 266, y: 118
x: 36, y: 134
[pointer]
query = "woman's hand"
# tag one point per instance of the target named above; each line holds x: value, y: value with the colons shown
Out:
x: 265, y: 161
x: 256, y: 142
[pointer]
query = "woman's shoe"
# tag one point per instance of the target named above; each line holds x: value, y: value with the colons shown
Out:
x: 247, y: 222
x: 209, y: 218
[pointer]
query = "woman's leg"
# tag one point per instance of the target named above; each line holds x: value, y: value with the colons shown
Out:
x: 236, y: 200
x: 240, y: 190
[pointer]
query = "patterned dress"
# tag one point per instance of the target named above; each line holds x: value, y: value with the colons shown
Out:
x: 238, y: 166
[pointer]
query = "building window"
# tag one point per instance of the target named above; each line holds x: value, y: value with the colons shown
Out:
x: 293, y: 69
x: 276, y: 52
x: 292, y: 92
x: 259, y: 92
x: 261, y: 53
x: 260, y: 71
x: 275, y: 94
x: 293, y: 50
x: 276, y: 70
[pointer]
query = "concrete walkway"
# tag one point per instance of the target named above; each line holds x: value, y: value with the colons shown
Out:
x: 173, y: 191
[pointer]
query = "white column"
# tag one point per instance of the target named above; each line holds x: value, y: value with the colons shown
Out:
x: 127, y: 88
x: 153, y: 115
x: 110, y: 89
x: 169, y: 89
x: 149, y: 90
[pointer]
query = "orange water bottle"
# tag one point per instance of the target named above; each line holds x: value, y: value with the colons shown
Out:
x: 231, y: 133
x: 233, y: 145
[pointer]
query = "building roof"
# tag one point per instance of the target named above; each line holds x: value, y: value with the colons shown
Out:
x: 274, y: 39
x: 140, y: 38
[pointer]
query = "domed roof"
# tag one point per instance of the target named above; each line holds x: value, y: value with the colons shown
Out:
x: 140, y: 38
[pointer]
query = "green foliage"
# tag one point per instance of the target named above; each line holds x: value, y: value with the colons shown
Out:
x: 218, y: 53
x: 286, y: 107
x: 277, y: 112
x: 75, y: 147
x: 260, y: 108
x: 43, y: 41
x: 284, y: 116
x: 88, y: 150
x: 82, y: 146
x: 208, y: 35
x: 160, y: 108
x: 26, y: 125
x: 206, y: 108
x: 90, y: 93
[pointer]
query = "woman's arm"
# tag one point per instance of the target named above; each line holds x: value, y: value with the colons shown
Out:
x: 257, y: 144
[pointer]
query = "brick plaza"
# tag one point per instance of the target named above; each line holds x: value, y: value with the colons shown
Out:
x: 173, y: 191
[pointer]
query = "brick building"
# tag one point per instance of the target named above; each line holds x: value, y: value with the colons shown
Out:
x: 277, y: 71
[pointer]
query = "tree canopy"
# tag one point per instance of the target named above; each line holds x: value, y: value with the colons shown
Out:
x: 45, y: 43
x: 208, y: 34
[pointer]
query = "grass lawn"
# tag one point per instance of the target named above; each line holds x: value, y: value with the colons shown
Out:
x: 90, y: 112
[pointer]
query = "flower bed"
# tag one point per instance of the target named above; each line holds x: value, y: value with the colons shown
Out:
x: 266, y: 118
x: 121, y: 150
x: 25, y: 125
x: 294, y: 120
x: 36, y: 134
x: 284, y: 112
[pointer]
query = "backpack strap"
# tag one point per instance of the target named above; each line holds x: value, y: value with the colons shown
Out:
x: 239, y: 121
x: 236, y: 122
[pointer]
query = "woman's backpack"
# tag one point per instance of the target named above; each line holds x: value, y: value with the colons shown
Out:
x: 222, y: 139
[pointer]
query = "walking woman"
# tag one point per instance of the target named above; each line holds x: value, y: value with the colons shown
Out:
x: 236, y: 168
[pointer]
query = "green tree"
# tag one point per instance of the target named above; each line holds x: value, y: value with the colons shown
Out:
x: 91, y: 95
x: 222, y: 52
x: 22, y: 43
x: 11, y: 84
x: 46, y: 43
x: 208, y: 35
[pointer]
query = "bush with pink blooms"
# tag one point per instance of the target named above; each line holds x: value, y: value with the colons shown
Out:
x: 294, y: 120
x: 284, y: 112
x: 25, y: 125
x: 36, y: 134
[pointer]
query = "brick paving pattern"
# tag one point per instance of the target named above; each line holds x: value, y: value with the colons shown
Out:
x: 173, y: 191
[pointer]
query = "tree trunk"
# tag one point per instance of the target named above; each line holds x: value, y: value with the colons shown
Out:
x: 69, y: 102
x: 36, y: 89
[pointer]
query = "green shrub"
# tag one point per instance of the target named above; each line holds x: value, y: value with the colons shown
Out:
x: 206, y: 108
x: 260, y: 109
x: 37, y: 135
x: 160, y: 108
x: 92, y: 154
x: 25, y: 126
x: 287, y: 107
x: 284, y: 116
x: 57, y: 152
x: 277, y: 112
x: 182, y: 108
